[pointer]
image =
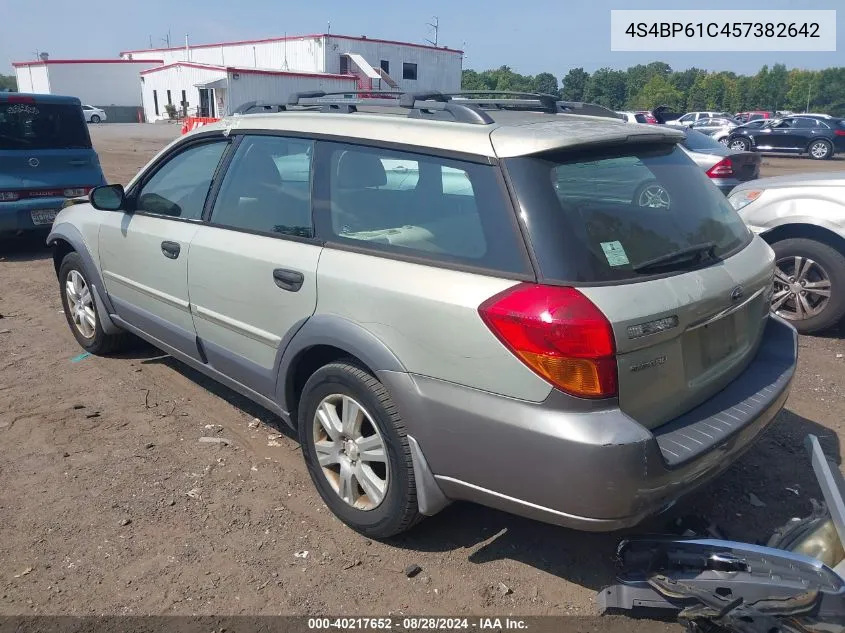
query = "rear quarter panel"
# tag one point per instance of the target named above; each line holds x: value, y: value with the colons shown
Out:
x: 821, y: 206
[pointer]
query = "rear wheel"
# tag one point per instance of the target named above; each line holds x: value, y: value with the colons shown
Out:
x: 809, y: 284
x: 820, y: 150
x: 80, y: 309
x: 357, y: 451
x: 740, y: 144
x: 723, y: 140
x: 95, y: 118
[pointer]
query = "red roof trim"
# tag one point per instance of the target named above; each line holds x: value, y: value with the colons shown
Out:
x: 87, y: 61
x: 287, y: 73
x: 295, y: 37
x: 186, y: 64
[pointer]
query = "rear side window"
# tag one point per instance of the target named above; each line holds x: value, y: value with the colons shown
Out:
x: 598, y: 217
x: 640, y: 118
x: 28, y: 126
x: 413, y: 205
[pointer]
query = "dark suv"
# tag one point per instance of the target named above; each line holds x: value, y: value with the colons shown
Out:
x: 819, y: 138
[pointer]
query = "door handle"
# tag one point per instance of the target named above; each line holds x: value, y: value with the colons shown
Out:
x: 290, y: 280
x: 170, y: 249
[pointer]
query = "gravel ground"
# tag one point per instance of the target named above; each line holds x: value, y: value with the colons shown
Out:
x: 109, y: 504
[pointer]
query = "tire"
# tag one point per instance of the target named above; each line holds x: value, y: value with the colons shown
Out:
x: 397, y: 510
x: 820, y: 150
x: 95, y: 118
x: 825, y: 261
x: 91, y: 338
x: 723, y: 140
x: 739, y: 143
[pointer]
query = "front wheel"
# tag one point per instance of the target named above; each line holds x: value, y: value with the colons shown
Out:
x: 740, y: 144
x: 809, y: 284
x: 95, y: 118
x: 356, y: 450
x: 820, y: 150
x: 80, y: 309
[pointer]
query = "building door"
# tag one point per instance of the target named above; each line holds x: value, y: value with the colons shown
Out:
x: 205, y: 101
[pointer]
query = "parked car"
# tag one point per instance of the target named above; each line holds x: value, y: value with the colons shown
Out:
x: 633, y: 117
x: 802, y: 216
x: 94, y: 115
x: 691, y: 117
x: 725, y: 167
x: 745, y: 117
x: 434, y: 343
x: 719, y: 128
x: 45, y: 158
x: 820, y: 139
x: 649, y: 117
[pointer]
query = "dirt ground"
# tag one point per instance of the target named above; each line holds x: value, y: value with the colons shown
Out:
x: 110, y: 505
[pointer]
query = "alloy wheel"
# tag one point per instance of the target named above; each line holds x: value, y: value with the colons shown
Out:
x: 654, y: 197
x: 802, y: 288
x: 738, y: 145
x: 819, y: 150
x: 351, y: 452
x: 80, y: 302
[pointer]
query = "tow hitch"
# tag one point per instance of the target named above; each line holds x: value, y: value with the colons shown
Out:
x: 796, y: 583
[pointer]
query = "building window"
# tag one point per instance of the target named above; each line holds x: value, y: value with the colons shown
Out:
x: 385, y: 66
x: 169, y: 99
x: 344, y: 65
x: 184, y: 103
x: 155, y: 101
x: 409, y: 71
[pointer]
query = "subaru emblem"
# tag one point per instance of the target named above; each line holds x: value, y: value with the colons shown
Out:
x: 736, y: 293
x: 34, y: 162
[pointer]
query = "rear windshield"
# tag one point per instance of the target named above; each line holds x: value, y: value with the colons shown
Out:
x: 42, y: 126
x: 598, y: 217
x: 698, y: 142
x: 640, y: 118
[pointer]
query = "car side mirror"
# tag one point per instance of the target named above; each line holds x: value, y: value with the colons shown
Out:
x: 108, y: 198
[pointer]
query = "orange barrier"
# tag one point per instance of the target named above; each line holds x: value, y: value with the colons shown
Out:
x: 193, y: 122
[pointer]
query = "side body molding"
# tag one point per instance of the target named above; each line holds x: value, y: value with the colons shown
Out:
x: 335, y: 331
x: 70, y: 234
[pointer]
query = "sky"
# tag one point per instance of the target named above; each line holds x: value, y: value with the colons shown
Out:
x: 531, y: 36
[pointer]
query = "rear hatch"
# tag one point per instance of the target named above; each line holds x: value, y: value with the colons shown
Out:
x: 642, y: 234
x: 45, y: 149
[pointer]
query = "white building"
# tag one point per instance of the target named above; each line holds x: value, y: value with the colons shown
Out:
x: 215, y: 79
x: 214, y: 91
x: 317, y: 62
x: 97, y: 82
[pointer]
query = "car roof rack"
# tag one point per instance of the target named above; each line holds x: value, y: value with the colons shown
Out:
x: 466, y: 106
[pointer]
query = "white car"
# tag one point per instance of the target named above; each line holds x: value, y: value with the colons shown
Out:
x: 691, y: 117
x: 634, y: 117
x: 93, y: 115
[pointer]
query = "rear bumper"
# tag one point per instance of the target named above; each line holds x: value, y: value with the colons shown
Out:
x: 17, y: 216
x: 595, y: 470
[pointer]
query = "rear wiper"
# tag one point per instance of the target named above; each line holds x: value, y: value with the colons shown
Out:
x: 695, y: 253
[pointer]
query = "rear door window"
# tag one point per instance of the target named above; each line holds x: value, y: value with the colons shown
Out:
x: 33, y: 125
x: 599, y: 217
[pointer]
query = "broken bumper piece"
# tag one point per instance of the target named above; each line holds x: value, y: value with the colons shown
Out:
x: 721, y: 585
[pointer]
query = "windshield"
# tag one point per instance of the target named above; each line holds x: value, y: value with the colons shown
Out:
x: 42, y: 126
x: 698, y: 142
x: 599, y: 217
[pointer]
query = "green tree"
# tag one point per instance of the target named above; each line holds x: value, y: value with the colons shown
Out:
x: 697, y: 94
x: 658, y: 91
x: 545, y: 83
x: 638, y: 76
x: 8, y: 82
x: 575, y: 85
x: 607, y: 87
x: 684, y: 80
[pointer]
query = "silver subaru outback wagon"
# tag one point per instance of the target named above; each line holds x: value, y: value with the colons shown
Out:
x: 450, y: 298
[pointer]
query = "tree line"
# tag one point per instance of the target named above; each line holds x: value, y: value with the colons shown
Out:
x: 646, y: 86
x: 8, y: 82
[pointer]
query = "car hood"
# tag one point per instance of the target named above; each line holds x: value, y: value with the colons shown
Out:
x: 824, y: 179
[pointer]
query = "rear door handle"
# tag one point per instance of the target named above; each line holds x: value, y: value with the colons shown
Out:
x: 290, y: 280
x: 170, y: 249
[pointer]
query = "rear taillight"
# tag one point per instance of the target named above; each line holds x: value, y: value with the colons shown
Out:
x: 839, y: 132
x: 559, y: 334
x: 8, y: 196
x: 20, y: 99
x: 722, y: 169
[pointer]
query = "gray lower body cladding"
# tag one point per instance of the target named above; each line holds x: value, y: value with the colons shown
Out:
x: 594, y: 470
